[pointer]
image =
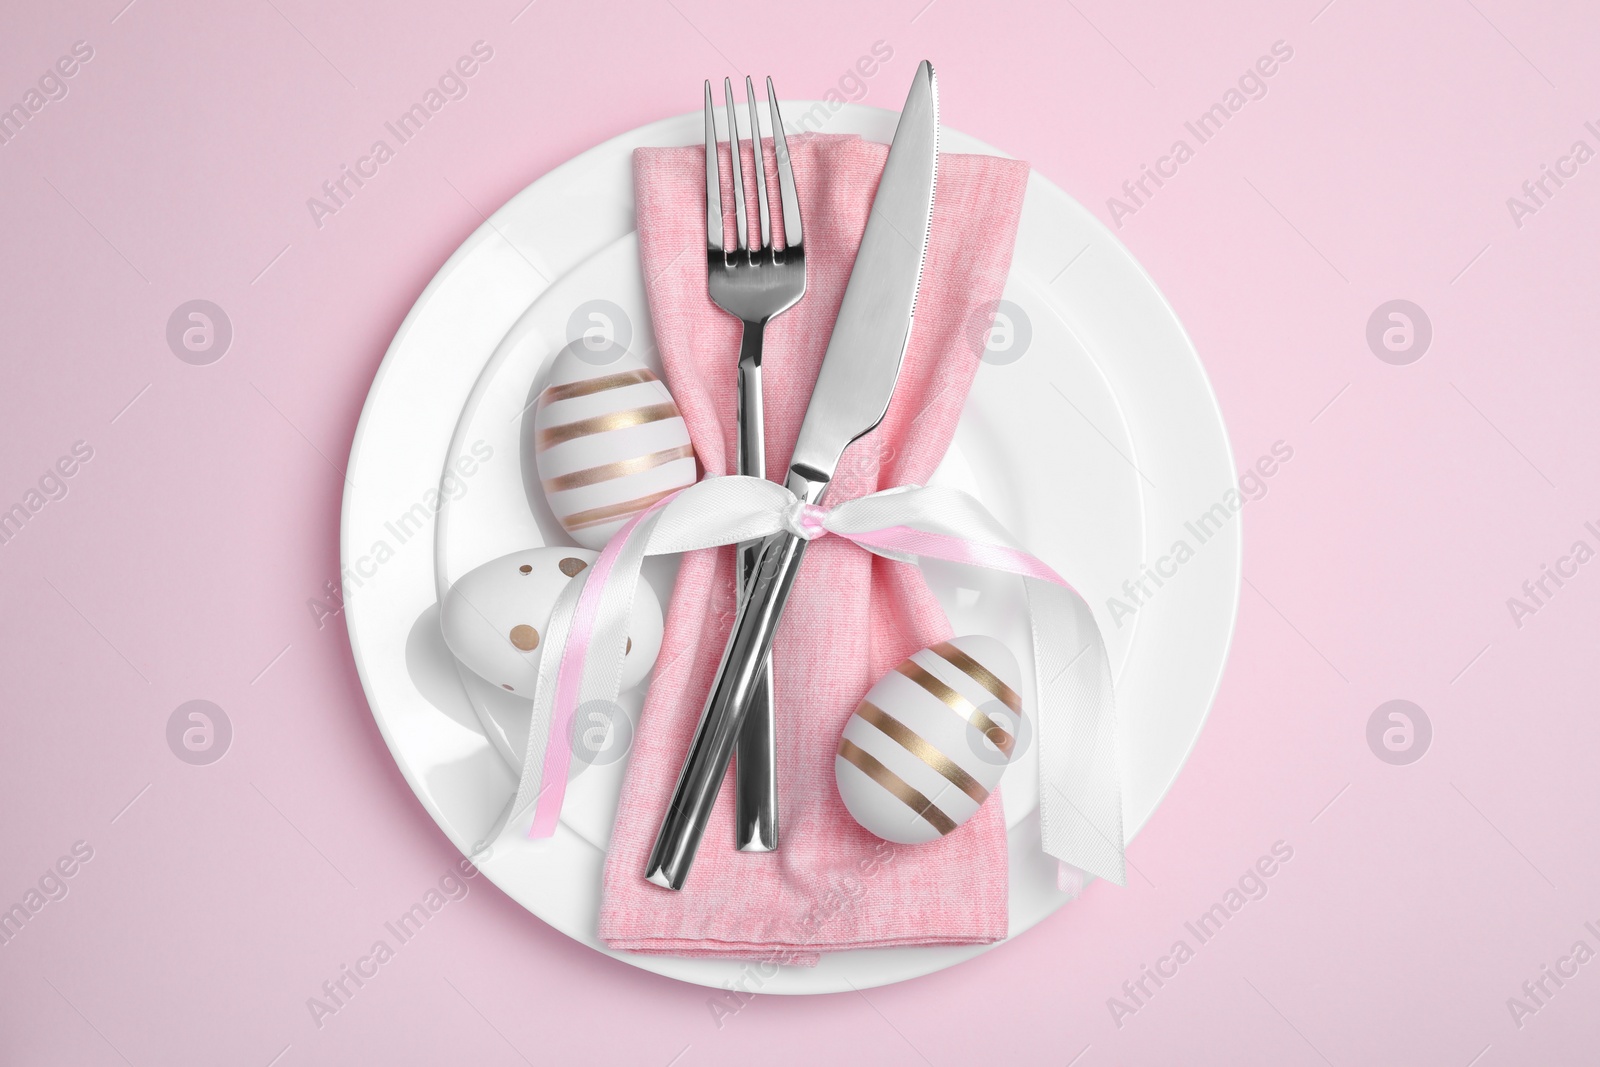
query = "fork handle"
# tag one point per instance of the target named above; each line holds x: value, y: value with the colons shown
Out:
x: 706, y: 763
x: 755, y: 765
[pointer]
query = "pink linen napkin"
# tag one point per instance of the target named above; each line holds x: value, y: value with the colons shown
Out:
x: 851, y: 618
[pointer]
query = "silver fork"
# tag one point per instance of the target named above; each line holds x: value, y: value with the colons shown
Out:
x: 753, y: 285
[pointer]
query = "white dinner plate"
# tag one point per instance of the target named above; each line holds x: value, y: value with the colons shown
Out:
x: 1094, y: 437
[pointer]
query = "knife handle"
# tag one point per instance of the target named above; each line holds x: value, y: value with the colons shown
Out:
x: 742, y: 668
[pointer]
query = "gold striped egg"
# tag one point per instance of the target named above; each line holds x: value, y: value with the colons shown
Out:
x: 928, y: 744
x: 608, y: 443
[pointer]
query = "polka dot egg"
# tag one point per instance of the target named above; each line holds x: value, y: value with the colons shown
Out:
x: 608, y: 442
x: 495, y: 617
x: 929, y: 743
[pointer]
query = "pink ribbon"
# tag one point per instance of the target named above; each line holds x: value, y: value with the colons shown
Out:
x: 569, y: 674
x: 807, y: 520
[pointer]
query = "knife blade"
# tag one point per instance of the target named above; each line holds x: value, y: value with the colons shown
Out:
x: 850, y: 398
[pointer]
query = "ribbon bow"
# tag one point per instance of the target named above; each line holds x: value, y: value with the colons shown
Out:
x: 1080, y: 796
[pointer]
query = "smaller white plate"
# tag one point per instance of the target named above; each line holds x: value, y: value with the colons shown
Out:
x: 502, y: 514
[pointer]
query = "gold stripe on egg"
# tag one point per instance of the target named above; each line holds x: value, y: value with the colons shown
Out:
x: 578, y: 520
x: 617, y: 420
x: 919, y: 747
x: 620, y: 469
x: 980, y: 674
x: 590, y: 386
x: 869, y: 765
x: 960, y: 705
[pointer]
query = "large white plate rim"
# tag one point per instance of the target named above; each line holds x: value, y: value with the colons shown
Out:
x: 498, y: 227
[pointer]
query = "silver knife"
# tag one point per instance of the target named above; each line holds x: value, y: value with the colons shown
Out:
x: 850, y: 398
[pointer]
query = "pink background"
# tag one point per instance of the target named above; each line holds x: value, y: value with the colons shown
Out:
x: 1420, y: 497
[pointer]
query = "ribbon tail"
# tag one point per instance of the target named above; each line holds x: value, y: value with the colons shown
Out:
x: 530, y: 786
x: 1080, y: 789
x: 1070, y: 880
x: 617, y: 567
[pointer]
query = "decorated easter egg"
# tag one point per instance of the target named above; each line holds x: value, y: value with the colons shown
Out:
x: 608, y: 442
x: 495, y: 617
x: 929, y: 743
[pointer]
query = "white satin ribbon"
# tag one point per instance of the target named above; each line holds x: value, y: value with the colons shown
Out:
x: 1080, y: 793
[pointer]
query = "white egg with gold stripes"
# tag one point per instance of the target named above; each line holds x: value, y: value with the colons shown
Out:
x: 927, y: 746
x: 608, y: 443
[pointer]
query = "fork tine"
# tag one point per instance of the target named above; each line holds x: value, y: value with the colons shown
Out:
x: 761, y: 164
x: 716, y: 239
x: 737, y: 155
x: 791, y: 202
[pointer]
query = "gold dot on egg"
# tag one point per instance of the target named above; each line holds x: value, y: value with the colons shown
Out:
x: 571, y: 566
x: 525, y: 637
x: 629, y: 648
x: 526, y: 568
